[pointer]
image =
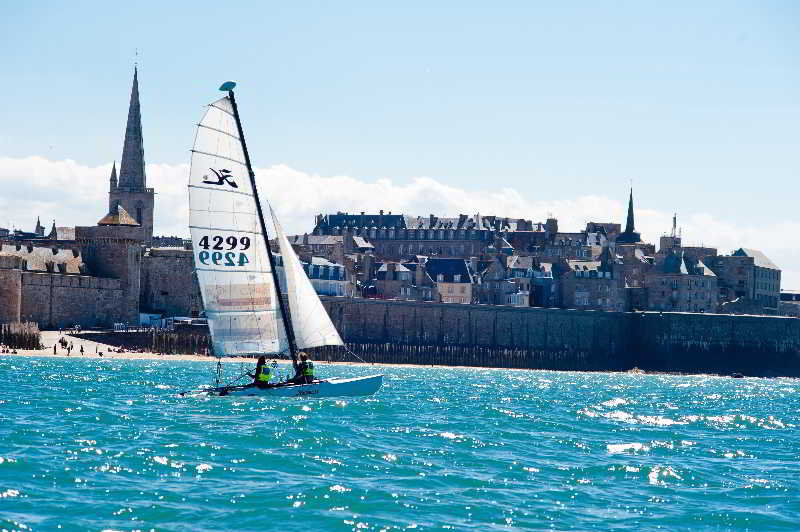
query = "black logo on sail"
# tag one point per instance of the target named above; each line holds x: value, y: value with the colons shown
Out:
x: 223, y: 176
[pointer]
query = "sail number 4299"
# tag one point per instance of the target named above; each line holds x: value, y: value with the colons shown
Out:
x: 226, y: 257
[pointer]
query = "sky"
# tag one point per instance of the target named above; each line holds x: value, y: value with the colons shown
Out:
x: 510, y: 108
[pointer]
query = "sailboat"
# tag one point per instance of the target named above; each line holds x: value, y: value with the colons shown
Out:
x: 236, y: 268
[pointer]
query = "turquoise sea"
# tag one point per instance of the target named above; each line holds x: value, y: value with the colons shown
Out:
x: 109, y: 445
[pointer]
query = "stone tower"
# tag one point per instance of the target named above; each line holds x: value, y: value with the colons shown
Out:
x: 130, y: 191
x: 113, y: 248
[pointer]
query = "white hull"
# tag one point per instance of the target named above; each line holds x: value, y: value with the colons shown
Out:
x: 358, y: 386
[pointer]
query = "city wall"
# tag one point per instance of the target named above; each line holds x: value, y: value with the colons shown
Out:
x: 400, y: 332
x: 425, y: 333
x: 54, y: 300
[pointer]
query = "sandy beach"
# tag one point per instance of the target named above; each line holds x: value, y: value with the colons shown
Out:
x: 94, y: 349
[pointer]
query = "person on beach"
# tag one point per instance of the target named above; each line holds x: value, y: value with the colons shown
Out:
x: 263, y: 374
x: 305, y: 371
x: 81, y: 349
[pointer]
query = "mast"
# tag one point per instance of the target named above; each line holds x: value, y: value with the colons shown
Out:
x: 284, y: 313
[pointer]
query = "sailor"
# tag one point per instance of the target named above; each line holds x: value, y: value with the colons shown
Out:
x: 305, y: 370
x: 263, y: 375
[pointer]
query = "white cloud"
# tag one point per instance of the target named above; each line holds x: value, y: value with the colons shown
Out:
x: 76, y: 194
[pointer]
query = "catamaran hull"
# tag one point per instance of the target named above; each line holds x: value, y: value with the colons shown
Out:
x: 359, y: 386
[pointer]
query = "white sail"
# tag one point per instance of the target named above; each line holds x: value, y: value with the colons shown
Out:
x: 230, y: 255
x: 310, y: 321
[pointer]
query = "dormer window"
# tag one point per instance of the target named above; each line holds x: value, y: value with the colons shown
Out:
x: 457, y: 278
x: 440, y: 278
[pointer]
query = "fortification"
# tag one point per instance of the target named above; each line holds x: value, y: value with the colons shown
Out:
x: 426, y: 333
x: 169, y: 283
x: 51, y: 286
x: 115, y: 251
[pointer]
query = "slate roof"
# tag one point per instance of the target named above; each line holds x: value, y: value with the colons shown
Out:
x: 449, y: 268
x: 315, y: 240
x: 402, y: 221
x: 759, y: 258
x: 362, y: 243
x: 586, y: 265
x: 397, y: 267
x: 685, y: 265
x: 520, y: 263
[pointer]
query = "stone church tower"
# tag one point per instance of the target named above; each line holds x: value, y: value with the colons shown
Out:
x: 129, y: 190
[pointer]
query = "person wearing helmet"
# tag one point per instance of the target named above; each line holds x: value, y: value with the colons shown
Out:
x: 263, y: 375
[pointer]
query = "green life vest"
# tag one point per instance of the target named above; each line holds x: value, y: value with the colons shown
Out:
x: 308, y: 369
x: 265, y: 375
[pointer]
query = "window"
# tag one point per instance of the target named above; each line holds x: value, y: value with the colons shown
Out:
x: 457, y: 278
x: 440, y: 278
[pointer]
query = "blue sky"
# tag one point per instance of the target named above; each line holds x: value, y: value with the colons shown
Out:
x: 697, y: 103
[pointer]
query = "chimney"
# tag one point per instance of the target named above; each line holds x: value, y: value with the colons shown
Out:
x: 473, y: 264
x: 305, y: 239
x: 367, y: 264
x: 431, y: 221
x: 419, y: 275
x: 391, y: 268
x: 380, y: 220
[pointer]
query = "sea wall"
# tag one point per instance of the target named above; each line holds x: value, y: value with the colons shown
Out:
x: 483, y: 335
x: 716, y: 343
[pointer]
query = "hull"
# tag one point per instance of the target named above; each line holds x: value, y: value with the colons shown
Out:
x: 355, y: 387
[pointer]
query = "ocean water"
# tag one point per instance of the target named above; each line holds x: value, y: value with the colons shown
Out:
x: 109, y: 445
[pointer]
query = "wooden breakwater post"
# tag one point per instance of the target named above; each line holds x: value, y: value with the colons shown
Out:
x: 171, y: 343
x: 20, y: 335
x: 454, y: 355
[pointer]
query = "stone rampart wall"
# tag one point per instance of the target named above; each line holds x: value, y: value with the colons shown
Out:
x: 427, y: 333
x: 169, y: 284
x: 522, y: 337
x: 54, y: 300
x: 717, y: 343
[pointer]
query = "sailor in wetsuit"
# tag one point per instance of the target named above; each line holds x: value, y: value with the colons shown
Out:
x: 305, y: 371
x: 263, y: 375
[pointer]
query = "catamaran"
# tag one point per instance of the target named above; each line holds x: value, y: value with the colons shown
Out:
x: 236, y: 268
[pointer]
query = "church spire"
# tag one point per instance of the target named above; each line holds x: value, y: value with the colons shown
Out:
x: 629, y: 236
x: 113, y: 179
x: 131, y: 168
x: 629, y: 227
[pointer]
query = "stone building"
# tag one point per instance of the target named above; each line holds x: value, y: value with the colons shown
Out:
x: 681, y: 283
x: 392, y: 279
x: 453, y: 282
x: 748, y: 274
x: 594, y: 284
x: 494, y: 283
x: 399, y: 237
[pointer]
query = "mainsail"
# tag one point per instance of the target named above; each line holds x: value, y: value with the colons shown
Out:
x: 311, y: 324
x: 230, y: 255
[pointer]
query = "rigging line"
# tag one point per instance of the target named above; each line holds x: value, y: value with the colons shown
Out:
x: 355, y: 355
x: 221, y: 109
